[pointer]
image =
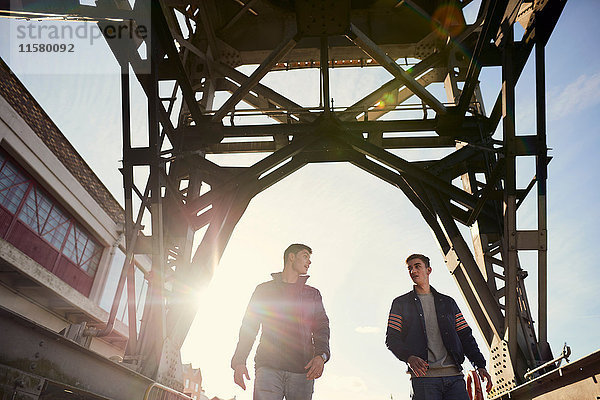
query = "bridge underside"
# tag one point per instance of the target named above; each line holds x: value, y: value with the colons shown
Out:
x: 193, y: 48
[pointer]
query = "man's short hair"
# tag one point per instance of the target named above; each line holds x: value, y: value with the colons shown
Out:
x: 421, y: 257
x: 294, y: 249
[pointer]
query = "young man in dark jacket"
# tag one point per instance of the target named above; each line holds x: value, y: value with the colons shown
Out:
x: 294, y: 343
x: 427, y: 331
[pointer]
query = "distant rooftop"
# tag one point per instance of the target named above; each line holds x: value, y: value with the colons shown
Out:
x: 34, y: 115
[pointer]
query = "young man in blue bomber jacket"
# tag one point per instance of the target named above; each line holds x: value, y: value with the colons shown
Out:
x: 427, y: 331
x: 294, y: 343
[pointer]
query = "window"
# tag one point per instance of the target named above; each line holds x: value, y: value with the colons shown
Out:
x: 13, y: 185
x: 47, y: 220
x: 82, y: 250
x: 187, y: 383
x: 196, y: 389
x: 24, y: 199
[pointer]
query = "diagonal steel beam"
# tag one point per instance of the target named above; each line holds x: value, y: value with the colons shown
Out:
x: 207, y: 23
x: 398, y: 181
x: 429, y: 62
x: 489, y: 189
x: 403, y: 166
x: 374, y: 51
x: 458, y: 156
x: 285, y: 170
x: 238, y: 15
x: 284, y: 47
x: 494, y: 10
x: 205, y: 260
x: 240, y: 78
x: 404, y: 94
x: 265, y: 91
x: 257, y: 102
x: 252, y: 172
x: 474, y: 286
x: 355, y: 109
x: 167, y: 42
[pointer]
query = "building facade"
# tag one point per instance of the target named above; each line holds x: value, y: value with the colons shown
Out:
x: 61, y: 231
x: 192, y: 382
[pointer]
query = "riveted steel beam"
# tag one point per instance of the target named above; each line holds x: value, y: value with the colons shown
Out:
x: 286, y: 45
x: 369, y: 47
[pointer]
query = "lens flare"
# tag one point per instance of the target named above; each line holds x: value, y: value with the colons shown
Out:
x: 448, y: 20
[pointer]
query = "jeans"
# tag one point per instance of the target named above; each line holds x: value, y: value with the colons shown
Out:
x: 440, y: 388
x: 274, y: 384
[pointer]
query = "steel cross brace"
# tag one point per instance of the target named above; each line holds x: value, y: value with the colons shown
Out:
x: 167, y: 42
x: 403, y: 166
x: 354, y: 110
x: 241, y: 78
x: 493, y: 13
x: 252, y: 172
x: 370, y: 48
x: 284, y: 47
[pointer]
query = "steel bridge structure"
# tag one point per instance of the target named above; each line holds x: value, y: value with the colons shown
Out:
x: 193, y: 48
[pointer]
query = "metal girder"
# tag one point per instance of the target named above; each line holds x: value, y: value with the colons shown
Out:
x: 239, y: 14
x: 228, y: 36
x: 509, y: 255
x: 155, y: 313
x: 462, y: 264
x: 493, y: 12
x: 468, y: 128
x: 253, y: 172
x: 34, y: 349
x: 286, y: 45
x: 404, y: 166
x: 541, y: 177
x: 371, y: 99
x: 240, y: 78
x: 386, y: 143
x: 167, y: 42
x: 546, y: 15
x: 394, y: 99
x: 369, y: 47
x: 575, y: 380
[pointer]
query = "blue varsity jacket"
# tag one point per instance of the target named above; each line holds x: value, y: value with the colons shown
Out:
x: 406, y: 334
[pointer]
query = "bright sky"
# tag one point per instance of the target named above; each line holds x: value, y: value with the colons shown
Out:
x: 361, y: 229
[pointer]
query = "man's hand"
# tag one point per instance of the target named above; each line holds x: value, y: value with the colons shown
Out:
x: 238, y: 375
x: 483, y: 374
x: 418, y: 365
x: 315, y: 368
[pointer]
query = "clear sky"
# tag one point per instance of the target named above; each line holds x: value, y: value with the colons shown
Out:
x: 361, y: 229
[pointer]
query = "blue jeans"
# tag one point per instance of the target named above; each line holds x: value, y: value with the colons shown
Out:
x: 274, y: 384
x: 440, y: 388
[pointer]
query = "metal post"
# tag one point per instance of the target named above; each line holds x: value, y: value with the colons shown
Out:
x: 541, y: 175
x: 510, y: 201
x: 151, y: 344
x: 127, y: 187
x: 325, y: 74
